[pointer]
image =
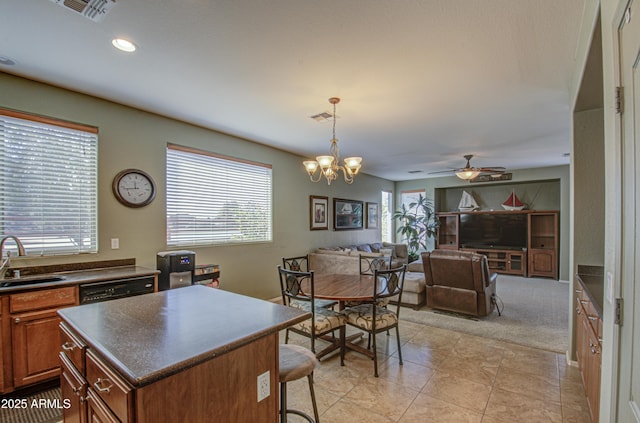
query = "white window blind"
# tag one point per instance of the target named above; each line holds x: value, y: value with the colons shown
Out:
x: 48, y: 184
x: 213, y: 199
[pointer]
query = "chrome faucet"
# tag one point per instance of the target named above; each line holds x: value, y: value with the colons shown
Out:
x: 7, y: 262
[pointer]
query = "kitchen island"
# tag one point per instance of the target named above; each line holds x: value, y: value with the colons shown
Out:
x: 192, y: 354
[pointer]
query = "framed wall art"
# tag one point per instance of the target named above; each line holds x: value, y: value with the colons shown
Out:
x: 372, y: 215
x: 347, y: 214
x: 318, y: 213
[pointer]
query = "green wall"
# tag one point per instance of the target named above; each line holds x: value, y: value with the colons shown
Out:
x: 131, y: 138
x: 589, y: 195
x: 543, y: 188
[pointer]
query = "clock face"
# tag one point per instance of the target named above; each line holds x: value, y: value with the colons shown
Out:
x: 134, y: 188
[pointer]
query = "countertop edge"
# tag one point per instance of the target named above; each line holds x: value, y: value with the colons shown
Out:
x: 170, y: 368
x: 592, y: 280
x: 178, y: 367
x: 77, y: 277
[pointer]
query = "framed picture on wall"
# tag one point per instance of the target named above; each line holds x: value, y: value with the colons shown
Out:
x: 347, y: 214
x: 372, y: 216
x: 318, y: 212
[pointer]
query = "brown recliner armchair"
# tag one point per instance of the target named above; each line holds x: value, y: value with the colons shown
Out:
x: 459, y: 281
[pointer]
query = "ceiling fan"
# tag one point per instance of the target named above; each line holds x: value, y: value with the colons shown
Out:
x: 468, y: 172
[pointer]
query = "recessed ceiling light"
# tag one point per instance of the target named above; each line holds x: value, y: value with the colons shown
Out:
x: 7, y: 61
x: 124, y: 45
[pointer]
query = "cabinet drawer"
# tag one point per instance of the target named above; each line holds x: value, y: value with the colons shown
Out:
x: 73, y: 348
x: 73, y: 392
x: 45, y: 298
x: 115, y: 392
x: 97, y: 412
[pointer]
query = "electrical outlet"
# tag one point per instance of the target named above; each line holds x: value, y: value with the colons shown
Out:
x: 264, y: 385
x: 115, y: 243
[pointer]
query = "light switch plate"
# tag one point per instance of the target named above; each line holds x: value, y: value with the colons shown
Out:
x: 115, y: 243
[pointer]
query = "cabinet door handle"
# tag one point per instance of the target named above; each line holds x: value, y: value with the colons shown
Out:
x: 68, y: 346
x: 578, y: 291
x: 584, y: 302
x: 17, y: 320
x: 592, y: 318
x: 97, y: 384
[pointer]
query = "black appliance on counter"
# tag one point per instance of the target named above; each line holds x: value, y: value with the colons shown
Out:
x: 176, y: 269
x: 111, y: 290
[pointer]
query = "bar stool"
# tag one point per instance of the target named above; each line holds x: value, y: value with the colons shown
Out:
x: 296, y: 362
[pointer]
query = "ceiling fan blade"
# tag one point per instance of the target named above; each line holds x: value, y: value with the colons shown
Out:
x: 492, y: 169
x: 443, y: 171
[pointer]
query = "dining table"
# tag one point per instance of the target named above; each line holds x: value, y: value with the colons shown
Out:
x: 343, y: 288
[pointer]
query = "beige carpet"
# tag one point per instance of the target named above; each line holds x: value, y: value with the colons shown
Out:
x: 535, y: 314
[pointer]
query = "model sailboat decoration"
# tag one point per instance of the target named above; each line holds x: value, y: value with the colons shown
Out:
x: 467, y: 202
x: 513, y: 202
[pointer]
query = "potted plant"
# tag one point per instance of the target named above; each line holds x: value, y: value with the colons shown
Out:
x: 417, y: 223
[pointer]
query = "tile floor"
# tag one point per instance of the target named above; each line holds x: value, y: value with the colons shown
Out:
x: 447, y: 376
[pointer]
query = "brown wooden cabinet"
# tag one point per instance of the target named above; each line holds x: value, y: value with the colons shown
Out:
x: 539, y: 257
x: 35, y: 339
x: 448, y: 231
x: 588, y: 349
x: 29, y: 324
x: 543, y: 244
x: 73, y: 388
x: 97, y: 412
x: 141, y: 366
x: 504, y: 261
x: 211, y: 391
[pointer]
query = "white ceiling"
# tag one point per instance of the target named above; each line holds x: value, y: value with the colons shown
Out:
x: 422, y: 82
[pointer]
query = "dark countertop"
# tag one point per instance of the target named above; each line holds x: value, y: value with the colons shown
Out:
x: 592, y: 278
x: 82, y: 276
x: 149, y: 337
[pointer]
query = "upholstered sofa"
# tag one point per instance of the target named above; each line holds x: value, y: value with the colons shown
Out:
x: 346, y: 259
x: 459, y: 281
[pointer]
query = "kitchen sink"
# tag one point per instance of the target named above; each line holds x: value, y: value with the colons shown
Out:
x: 30, y: 280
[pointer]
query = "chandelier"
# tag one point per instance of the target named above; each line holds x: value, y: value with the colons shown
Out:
x: 329, y: 166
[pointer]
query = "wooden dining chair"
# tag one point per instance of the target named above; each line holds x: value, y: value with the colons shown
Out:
x: 301, y: 264
x: 323, y: 321
x: 374, y: 318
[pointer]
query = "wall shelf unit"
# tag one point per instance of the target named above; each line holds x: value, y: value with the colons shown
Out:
x: 543, y: 244
x: 536, y: 256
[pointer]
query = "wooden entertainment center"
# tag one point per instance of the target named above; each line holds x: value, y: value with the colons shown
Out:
x: 537, y: 256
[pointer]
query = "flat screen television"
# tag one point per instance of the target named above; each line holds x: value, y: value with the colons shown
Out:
x: 499, y: 231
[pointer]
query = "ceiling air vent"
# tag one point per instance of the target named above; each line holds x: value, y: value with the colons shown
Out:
x: 322, y: 117
x: 91, y: 9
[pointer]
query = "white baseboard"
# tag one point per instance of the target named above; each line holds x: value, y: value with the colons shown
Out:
x: 570, y: 362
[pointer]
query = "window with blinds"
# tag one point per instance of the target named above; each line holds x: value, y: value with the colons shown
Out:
x: 213, y: 199
x: 48, y: 184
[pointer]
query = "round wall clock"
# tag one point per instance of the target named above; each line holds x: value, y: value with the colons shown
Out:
x: 134, y: 188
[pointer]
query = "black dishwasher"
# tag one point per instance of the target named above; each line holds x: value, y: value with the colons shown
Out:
x: 110, y: 290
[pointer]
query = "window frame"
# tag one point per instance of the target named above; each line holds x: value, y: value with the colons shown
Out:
x: 50, y: 246
x: 208, y: 239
